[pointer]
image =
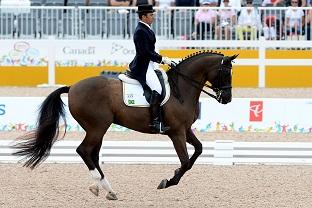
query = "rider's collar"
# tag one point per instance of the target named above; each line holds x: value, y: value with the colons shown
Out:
x: 146, y: 24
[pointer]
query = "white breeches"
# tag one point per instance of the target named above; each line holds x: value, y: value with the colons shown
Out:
x: 151, y: 78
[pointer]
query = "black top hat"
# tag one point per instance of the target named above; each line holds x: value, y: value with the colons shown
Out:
x: 145, y: 8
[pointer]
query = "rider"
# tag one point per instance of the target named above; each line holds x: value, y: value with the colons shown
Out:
x: 142, y: 66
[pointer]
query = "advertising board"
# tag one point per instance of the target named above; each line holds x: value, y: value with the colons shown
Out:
x: 241, y: 115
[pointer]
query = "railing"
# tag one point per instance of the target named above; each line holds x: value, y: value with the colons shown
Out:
x: 171, y: 23
x: 220, y: 152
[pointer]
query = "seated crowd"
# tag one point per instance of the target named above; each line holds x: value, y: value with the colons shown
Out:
x: 239, y: 18
x: 246, y: 21
x: 225, y: 19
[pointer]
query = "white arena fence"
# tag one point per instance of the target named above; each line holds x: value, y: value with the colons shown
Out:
x: 219, y: 152
x: 173, y: 23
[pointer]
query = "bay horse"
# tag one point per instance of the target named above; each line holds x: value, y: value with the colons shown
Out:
x: 96, y: 103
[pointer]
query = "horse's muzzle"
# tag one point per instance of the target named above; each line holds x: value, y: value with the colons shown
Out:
x: 225, y: 96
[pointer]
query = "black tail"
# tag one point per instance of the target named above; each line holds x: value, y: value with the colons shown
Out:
x: 38, y: 143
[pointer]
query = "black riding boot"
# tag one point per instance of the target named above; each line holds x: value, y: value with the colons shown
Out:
x: 157, y: 124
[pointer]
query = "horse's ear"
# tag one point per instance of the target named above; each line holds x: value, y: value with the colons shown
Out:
x: 234, y: 57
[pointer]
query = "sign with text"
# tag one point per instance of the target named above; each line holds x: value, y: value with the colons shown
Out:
x: 66, y: 52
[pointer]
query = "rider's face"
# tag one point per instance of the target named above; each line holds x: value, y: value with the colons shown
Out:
x: 148, y: 18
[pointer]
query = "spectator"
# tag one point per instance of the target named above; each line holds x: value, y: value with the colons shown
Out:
x: 205, y: 20
x: 233, y: 3
x: 294, y: 19
x: 275, y: 3
x: 186, y: 3
x: 308, y: 20
x: 124, y: 13
x: 272, y: 19
x: 140, y: 2
x: 122, y: 3
x: 166, y: 13
x: 301, y: 3
x: 227, y: 18
x: 164, y: 4
x: 248, y: 22
x: 270, y: 27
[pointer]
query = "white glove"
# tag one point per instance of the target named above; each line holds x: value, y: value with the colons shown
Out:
x: 166, y: 60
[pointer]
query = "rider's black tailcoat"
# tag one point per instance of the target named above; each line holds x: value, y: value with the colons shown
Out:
x: 144, y: 40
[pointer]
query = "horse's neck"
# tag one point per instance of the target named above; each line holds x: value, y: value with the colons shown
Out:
x: 189, y: 93
x: 195, y: 70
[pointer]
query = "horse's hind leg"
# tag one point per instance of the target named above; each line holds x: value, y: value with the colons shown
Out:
x: 89, y: 151
x: 111, y: 195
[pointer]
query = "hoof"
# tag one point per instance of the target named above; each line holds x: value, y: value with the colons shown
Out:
x: 111, y: 196
x: 94, y: 189
x: 162, y: 184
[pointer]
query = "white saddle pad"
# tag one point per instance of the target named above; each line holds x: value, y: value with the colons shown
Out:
x: 133, y: 91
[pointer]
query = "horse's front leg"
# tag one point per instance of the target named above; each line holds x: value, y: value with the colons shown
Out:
x: 192, y: 139
x: 179, y: 143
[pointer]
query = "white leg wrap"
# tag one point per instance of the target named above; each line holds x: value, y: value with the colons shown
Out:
x: 96, y: 176
x: 106, y: 185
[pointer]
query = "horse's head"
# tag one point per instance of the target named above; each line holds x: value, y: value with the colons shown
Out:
x: 221, y: 79
x: 197, y: 69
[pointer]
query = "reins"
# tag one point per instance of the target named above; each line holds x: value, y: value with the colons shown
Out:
x: 218, y: 90
x: 195, y: 83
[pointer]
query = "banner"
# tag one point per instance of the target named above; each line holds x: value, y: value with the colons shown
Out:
x: 66, y: 52
x: 23, y: 53
x: 21, y: 113
x: 241, y: 115
x: 279, y: 115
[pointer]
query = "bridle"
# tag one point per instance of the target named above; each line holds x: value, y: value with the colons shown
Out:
x: 218, y: 89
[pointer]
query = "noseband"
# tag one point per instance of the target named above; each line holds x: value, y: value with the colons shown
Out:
x: 218, y: 88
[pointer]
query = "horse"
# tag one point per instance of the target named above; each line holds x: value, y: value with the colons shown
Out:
x: 96, y: 102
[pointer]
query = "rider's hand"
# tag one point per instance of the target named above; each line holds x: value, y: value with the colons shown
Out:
x: 166, y: 60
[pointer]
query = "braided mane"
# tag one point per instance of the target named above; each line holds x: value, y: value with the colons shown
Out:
x: 173, y: 77
x: 199, y: 53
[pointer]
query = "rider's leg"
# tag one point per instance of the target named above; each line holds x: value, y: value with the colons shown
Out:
x: 152, y: 79
x: 156, y: 121
x: 153, y: 82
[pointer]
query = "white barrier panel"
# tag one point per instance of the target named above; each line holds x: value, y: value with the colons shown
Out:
x: 280, y: 115
x: 159, y: 152
x: 223, y: 152
x: 241, y: 115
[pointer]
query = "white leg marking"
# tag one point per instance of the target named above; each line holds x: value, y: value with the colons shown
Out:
x: 106, y: 185
x: 111, y: 195
x: 96, y: 176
